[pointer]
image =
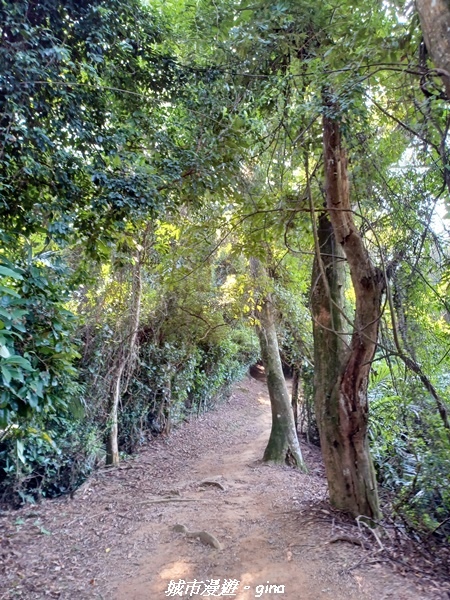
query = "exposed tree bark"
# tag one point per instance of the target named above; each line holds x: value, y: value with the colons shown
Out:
x: 398, y: 299
x: 327, y: 301
x: 349, y: 466
x: 295, y: 394
x: 283, y: 445
x: 126, y: 352
x: 112, y: 446
x: 434, y: 18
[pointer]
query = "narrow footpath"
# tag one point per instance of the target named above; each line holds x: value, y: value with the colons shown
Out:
x: 120, y: 536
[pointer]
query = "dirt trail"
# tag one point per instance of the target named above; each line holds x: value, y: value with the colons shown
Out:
x: 115, y: 538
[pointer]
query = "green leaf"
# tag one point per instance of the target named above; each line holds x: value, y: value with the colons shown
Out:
x: 7, y: 375
x: 4, y: 352
x: 10, y: 273
x: 19, y: 360
x: 9, y: 291
x: 20, y: 449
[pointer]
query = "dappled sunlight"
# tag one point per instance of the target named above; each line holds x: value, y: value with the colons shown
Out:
x: 225, y: 228
x: 247, y: 586
x: 263, y: 400
x: 266, y: 583
x: 177, y: 570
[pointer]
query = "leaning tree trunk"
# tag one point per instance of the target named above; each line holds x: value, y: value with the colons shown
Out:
x: 125, y: 356
x: 283, y: 445
x: 349, y: 466
x: 434, y: 18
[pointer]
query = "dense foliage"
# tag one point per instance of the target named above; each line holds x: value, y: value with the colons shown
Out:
x: 99, y: 135
x: 168, y: 144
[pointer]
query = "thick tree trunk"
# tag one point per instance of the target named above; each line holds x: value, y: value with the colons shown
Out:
x: 283, y: 445
x: 327, y: 296
x: 349, y: 466
x: 126, y: 352
x: 435, y: 23
x: 342, y: 430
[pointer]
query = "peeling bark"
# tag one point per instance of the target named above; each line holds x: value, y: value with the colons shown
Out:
x: 434, y: 18
x: 344, y: 408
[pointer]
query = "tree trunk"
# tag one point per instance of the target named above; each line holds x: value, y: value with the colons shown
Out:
x: 126, y: 352
x: 283, y: 445
x: 434, y: 18
x: 112, y: 446
x: 345, y: 455
x: 344, y: 416
x: 327, y: 296
x: 295, y: 394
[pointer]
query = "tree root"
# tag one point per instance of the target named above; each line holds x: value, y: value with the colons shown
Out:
x: 347, y: 538
x: 213, y: 482
x: 203, y: 536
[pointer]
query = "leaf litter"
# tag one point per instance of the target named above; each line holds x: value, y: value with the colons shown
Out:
x: 115, y: 537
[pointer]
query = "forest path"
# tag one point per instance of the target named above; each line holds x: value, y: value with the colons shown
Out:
x: 115, y: 540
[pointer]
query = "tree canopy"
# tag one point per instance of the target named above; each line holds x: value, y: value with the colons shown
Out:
x: 150, y: 153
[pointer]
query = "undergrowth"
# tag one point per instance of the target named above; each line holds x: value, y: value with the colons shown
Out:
x: 411, y: 451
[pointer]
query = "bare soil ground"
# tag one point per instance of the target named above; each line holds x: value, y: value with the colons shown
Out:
x: 115, y: 540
